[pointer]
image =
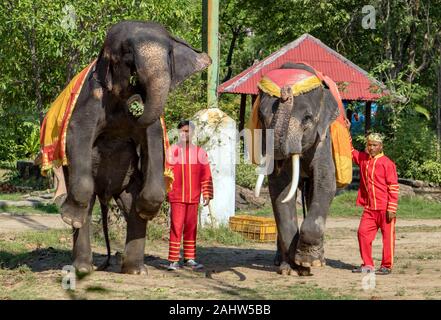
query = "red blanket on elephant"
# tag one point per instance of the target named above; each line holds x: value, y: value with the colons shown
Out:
x: 302, y: 81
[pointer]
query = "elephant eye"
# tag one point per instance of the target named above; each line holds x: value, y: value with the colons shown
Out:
x: 307, y: 119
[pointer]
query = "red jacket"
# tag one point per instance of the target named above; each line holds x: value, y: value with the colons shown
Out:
x: 378, y: 182
x: 192, y: 174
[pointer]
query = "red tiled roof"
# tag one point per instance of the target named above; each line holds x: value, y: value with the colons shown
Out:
x: 314, y: 52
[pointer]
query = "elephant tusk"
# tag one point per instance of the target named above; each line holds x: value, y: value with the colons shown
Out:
x: 295, y: 178
x: 259, y: 183
x: 260, y: 178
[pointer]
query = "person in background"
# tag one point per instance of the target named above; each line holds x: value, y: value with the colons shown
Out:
x: 192, y: 177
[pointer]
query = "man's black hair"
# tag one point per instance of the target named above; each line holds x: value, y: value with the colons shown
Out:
x: 185, y: 123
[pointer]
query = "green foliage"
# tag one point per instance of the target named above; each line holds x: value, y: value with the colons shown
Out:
x: 136, y: 109
x: 413, y: 144
x: 45, y: 43
x: 34, y: 183
x: 31, y: 144
x: 429, y: 171
x: 246, y: 175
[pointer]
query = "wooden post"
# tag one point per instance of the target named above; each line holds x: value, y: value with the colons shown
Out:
x: 349, y: 113
x: 438, y: 115
x: 367, y: 117
x: 253, y: 99
x: 243, y: 108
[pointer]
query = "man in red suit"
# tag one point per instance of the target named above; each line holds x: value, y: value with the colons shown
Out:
x: 378, y: 194
x: 192, y: 176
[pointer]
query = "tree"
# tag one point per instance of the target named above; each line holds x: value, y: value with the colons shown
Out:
x: 45, y: 43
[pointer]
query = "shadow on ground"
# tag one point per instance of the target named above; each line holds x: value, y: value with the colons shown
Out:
x: 215, y: 260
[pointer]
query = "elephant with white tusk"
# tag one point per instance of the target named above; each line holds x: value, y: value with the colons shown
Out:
x: 300, y: 115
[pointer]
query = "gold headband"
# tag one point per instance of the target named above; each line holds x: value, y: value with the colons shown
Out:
x: 375, y: 137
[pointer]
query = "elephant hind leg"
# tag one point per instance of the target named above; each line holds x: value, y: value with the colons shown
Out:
x: 105, y: 218
x: 133, y: 258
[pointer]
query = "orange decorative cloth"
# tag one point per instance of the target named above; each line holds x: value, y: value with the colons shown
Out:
x: 54, y: 127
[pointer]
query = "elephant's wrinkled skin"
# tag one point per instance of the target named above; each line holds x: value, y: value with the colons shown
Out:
x: 301, y: 127
x: 137, y: 58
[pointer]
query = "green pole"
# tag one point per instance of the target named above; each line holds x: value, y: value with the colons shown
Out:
x: 210, y: 40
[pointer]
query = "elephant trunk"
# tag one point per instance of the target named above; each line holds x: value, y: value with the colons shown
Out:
x: 287, y: 134
x: 155, y: 98
x: 153, y: 72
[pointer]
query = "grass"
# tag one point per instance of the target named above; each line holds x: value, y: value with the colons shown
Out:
x: 301, y: 292
x: 11, y: 196
x: 343, y: 205
x: 25, y: 247
x: 222, y: 235
x: 38, y: 209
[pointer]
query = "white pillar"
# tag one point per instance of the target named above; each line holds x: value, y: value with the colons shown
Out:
x: 215, y: 132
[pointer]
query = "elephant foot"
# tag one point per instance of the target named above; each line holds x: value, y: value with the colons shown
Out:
x: 83, y: 268
x: 309, y: 256
x: 148, y: 215
x: 303, y: 271
x: 134, y: 269
x: 74, y: 215
x: 285, y: 269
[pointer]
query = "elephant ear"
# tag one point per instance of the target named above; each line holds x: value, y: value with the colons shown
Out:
x: 103, y: 69
x: 185, y: 61
x: 329, y: 111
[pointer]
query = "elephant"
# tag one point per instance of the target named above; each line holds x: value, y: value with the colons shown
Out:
x: 139, y: 62
x: 116, y: 173
x: 302, y: 158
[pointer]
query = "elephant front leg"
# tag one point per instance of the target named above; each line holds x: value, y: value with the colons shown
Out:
x: 286, y: 221
x: 133, y: 258
x: 82, y: 252
x: 310, y: 249
x: 79, y: 141
x: 153, y: 192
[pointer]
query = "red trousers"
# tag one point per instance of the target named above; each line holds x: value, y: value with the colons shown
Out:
x: 371, y: 221
x: 183, y: 216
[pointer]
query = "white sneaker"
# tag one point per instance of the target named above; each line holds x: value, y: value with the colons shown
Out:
x: 173, y: 266
x: 193, y: 264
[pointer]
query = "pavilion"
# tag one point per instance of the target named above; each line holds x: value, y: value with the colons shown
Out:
x: 354, y: 83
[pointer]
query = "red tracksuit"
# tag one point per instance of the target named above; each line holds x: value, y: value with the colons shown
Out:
x: 378, y: 193
x: 192, y: 176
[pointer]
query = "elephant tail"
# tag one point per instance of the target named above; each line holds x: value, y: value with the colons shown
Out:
x: 105, y: 216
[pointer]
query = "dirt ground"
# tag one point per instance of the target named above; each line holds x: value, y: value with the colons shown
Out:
x: 15, y: 222
x: 245, y: 272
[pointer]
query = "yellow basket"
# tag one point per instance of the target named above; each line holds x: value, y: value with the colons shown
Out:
x: 260, y: 229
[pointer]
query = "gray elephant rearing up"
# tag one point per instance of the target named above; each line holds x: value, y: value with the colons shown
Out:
x: 302, y: 156
x: 137, y: 59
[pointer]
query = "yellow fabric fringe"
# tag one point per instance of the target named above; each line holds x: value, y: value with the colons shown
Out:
x: 298, y: 88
